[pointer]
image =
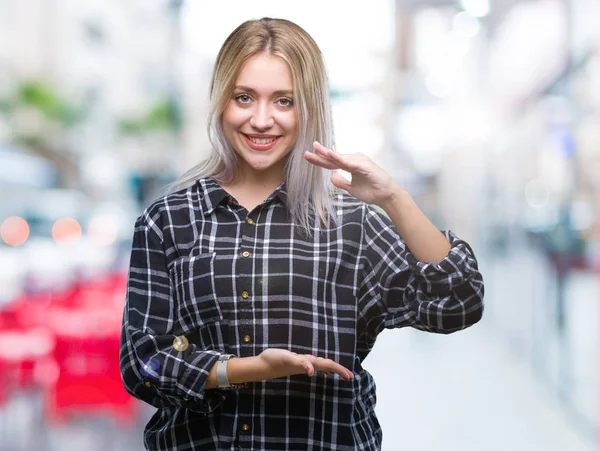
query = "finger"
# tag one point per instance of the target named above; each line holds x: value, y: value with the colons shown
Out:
x: 341, y: 182
x: 344, y: 373
x: 344, y: 162
x: 307, y: 366
x: 321, y: 364
x: 320, y: 148
x: 348, y: 375
x: 320, y: 161
x: 349, y: 162
x: 309, y: 369
x: 324, y: 152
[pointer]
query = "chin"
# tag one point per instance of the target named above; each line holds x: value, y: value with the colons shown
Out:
x: 262, y: 167
x: 266, y: 163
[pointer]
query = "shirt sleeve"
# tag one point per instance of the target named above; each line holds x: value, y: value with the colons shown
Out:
x: 399, y: 290
x: 151, y: 369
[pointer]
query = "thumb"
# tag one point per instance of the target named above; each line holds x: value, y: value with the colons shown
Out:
x: 341, y: 182
x: 308, y: 368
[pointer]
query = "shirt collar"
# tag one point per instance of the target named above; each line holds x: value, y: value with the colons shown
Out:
x: 281, y: 193
x: 211, y: 195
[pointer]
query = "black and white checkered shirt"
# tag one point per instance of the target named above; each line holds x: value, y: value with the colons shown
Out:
x: 239, y: 282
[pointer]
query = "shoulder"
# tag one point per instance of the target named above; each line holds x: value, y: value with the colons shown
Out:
x: 347, y: 206
x: 171, y: 208
x: 373, y: 222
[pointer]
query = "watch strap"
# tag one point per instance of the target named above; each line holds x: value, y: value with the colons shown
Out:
x: 222, y: 378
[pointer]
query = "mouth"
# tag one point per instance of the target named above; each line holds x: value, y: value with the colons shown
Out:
x: 261, y: 142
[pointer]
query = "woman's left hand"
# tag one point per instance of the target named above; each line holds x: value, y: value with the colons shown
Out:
x: 370, y: 183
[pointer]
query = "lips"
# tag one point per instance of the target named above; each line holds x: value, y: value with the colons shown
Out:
x: 263, y: 142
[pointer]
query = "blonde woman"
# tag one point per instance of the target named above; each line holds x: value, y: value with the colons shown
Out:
x: 257, y: 290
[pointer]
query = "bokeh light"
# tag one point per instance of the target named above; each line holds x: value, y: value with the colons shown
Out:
x: 14, y: 231
x: 66, y: 230
x: 102, y: 230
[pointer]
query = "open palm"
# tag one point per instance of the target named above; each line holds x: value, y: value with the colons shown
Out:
x: 282, y: 362
x: 370, y: 183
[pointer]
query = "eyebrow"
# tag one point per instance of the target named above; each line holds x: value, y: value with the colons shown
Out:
x: 283, y: 92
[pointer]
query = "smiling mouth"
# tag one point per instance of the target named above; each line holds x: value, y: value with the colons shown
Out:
x: 262, y: 141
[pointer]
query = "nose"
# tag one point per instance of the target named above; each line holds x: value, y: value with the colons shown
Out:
x: 262, y: 117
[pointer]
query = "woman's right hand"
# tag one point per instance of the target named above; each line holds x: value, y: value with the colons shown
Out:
x: 282, y: 363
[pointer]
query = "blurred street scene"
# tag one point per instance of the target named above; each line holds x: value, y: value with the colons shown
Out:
x: 487, y: 112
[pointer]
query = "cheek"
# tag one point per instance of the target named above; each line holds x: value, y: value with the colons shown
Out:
x: 234, y: 117
x: 290, y: 123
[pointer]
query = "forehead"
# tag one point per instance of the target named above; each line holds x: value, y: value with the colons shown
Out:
x: 265, y: 73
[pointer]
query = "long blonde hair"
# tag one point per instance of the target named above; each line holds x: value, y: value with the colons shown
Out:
x: 309, y: 187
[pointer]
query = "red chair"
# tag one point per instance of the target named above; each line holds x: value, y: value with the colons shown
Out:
x: 67, y: 344
x: 21, y: 350
x: 87, y: 355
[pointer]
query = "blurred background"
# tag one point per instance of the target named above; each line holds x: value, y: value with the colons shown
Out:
x: 486, y: 111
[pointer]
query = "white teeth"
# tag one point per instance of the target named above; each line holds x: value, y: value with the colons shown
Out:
x: 262, y: 140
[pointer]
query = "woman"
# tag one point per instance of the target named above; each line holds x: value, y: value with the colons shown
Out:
x: 256, y: 292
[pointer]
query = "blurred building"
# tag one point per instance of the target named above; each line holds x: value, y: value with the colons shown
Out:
x: 115, y: 65
x: 500, y: 124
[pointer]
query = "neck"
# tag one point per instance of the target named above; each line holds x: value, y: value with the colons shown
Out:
x: 258, y: 181
x: 250, y: 188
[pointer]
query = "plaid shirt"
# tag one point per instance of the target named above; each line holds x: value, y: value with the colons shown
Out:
x: 239, y: 282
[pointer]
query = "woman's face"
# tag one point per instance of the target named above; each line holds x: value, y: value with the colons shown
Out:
x: 260, y: 120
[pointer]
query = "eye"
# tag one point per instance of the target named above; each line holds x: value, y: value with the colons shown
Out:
x: 243, y: 98
x: 285, y: 102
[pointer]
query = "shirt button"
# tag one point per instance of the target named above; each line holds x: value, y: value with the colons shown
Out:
x: 250, y: 221
x: 148, y: 384
x: 245, y: 428
x: 246, y: 254
x: 245, y: 295
x: 180, y: 343
x: 247, y: 339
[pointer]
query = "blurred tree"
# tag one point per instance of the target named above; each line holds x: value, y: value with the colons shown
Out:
x: 155, y: 131
x: 42, y: 97
x: 39, y: 120
x: 164, y: 116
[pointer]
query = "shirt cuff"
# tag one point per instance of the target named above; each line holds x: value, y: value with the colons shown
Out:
x: 457, y: 268
x: 189, y: 390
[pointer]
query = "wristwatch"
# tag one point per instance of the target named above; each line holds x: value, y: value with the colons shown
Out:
x: 222, y: 379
